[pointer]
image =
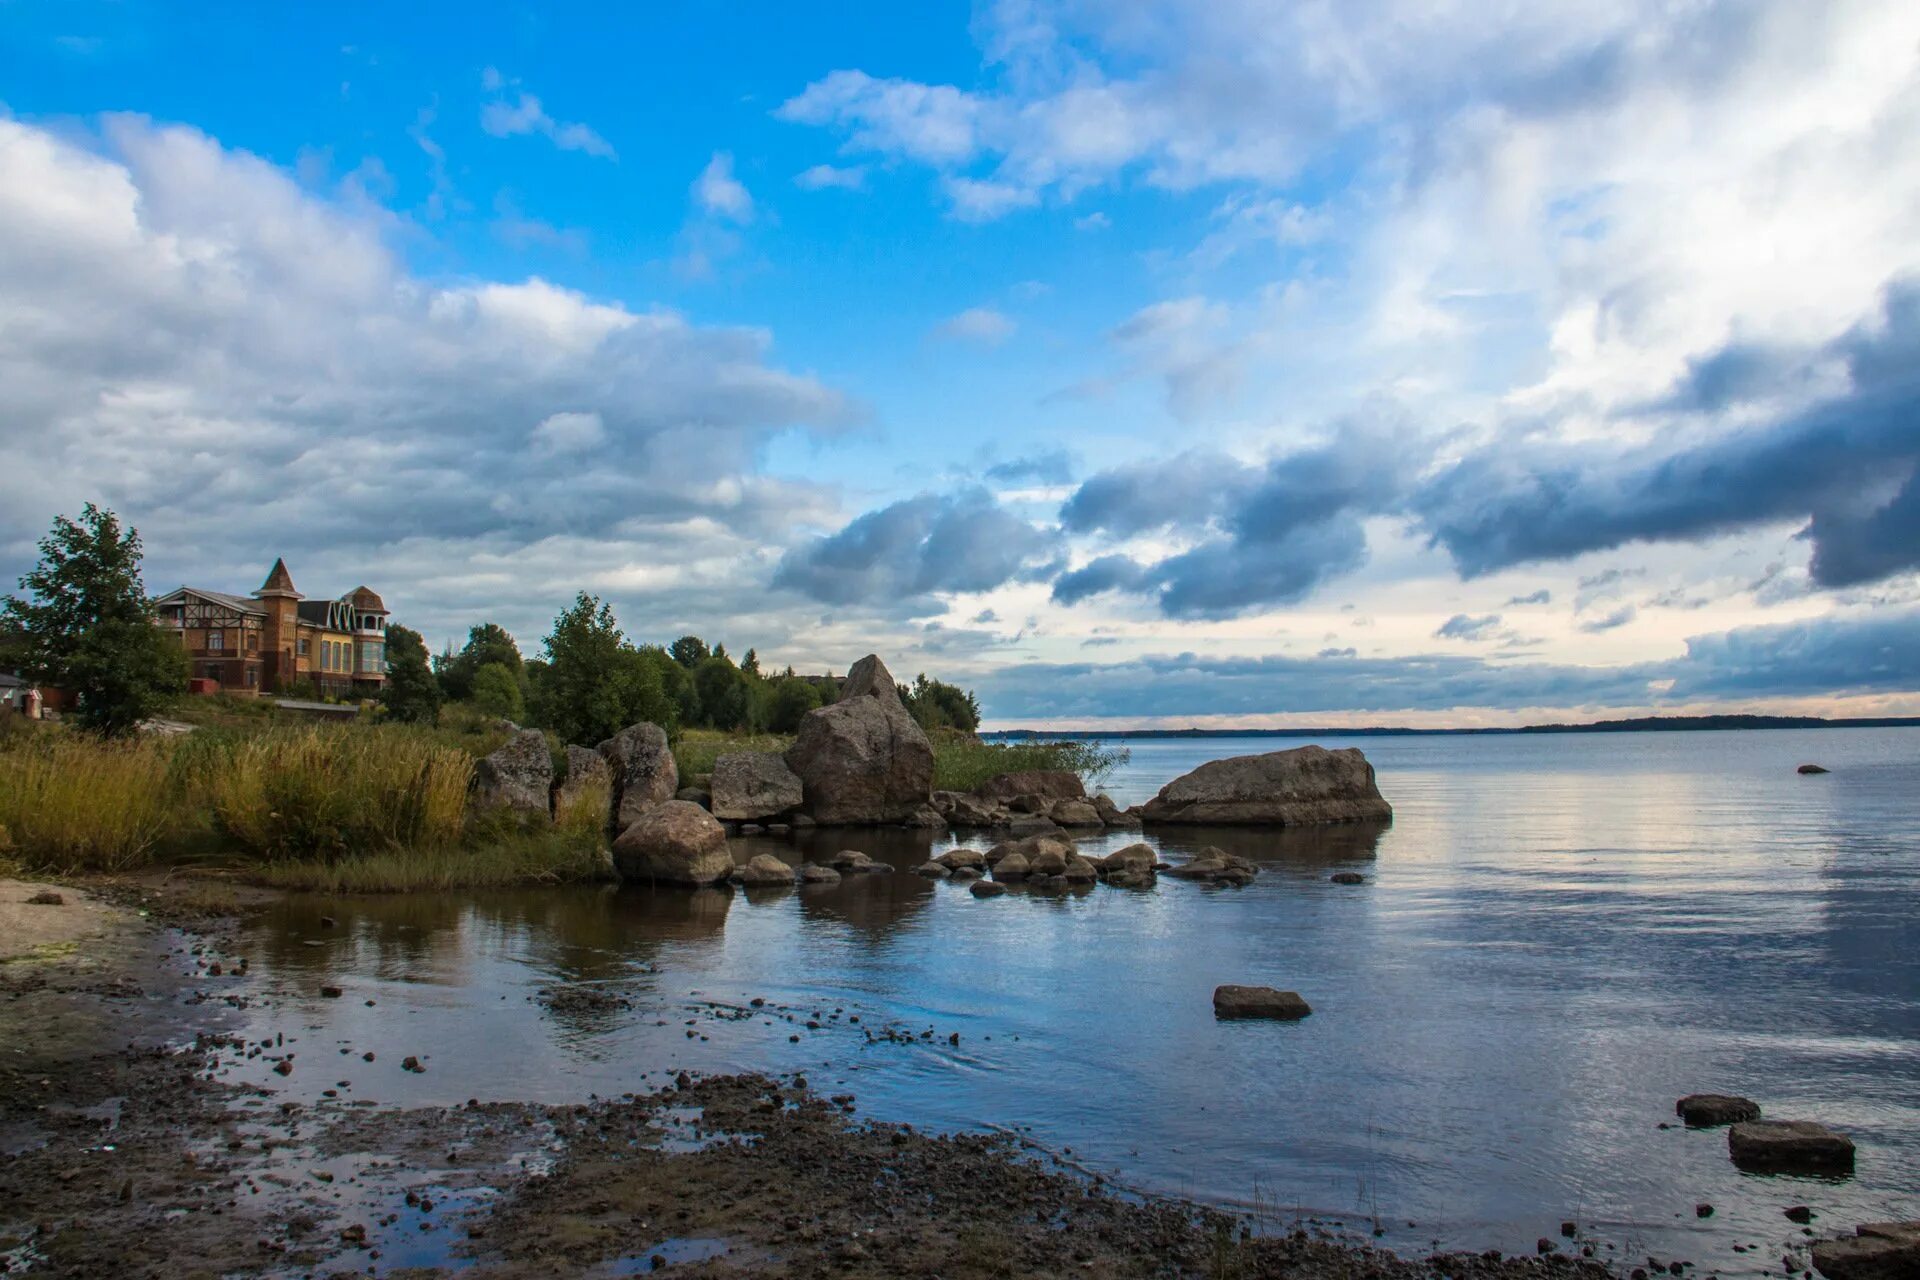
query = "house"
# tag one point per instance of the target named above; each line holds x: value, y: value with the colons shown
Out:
x: 277, y: 640
x: 18, y: 696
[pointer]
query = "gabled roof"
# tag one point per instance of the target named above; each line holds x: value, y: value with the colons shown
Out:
x: 279, y: 581
x: 238, y: 603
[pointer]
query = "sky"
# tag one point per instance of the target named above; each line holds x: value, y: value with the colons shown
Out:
x: 1131, y: 362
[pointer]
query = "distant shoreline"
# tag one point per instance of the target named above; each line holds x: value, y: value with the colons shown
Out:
x: 1643, y: 724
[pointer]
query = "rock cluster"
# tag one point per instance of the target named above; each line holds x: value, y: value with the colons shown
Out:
x: 1216, y: 866
x: 1301, y: 787
x: 1032, y: 800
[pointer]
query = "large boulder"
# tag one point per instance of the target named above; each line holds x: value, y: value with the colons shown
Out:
x: 1258, y: 1002
x: 518, y: 778
x: 1876, y: 1251
x: 1135, y: 857
x: 751, y: 785
x: 674, y: 842
x: 1301, y: 787
x: 863, y: 760
x: 643, y: 770
x: 1789, y: 1146
x: 1048, y: 784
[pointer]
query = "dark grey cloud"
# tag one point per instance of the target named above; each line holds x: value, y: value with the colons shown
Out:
x: 1107, y: 573
x: 1616, y: 618
x: 1338, y: 653
x: 902, y: 554
x: 1189, y: 490
x: 1055, y: 467
x: 1268, y: 533
x: 1847, y: 463
x: 1542, y: 596
x: 1877, y: 651
x: 1864, y: 653
x: 1463, y: 627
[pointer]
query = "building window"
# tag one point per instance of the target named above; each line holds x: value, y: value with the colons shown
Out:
x: 304, y: 643
x: 213, y: 672
x: 253, y: 678
x: 216, y: 640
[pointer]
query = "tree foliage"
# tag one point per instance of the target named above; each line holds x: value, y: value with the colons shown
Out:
x: 87, y: 626
x: 411, y: 692
x: 488, y: 644
x: 936, y: 704
x: 595, y: 683
x: 496, y: 691
x: 788, y: 701
x: 689, y: 651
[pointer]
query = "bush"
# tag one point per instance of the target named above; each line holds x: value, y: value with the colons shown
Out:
x: 496, y: 691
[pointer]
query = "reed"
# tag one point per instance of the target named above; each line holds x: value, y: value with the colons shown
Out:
x: 75, y: 803
x: 325, y: 792
x: 962, y: 762
x: 550, y: 857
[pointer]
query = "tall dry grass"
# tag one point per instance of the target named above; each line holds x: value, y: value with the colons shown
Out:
x: 75, y: 803
x: 322, y: 792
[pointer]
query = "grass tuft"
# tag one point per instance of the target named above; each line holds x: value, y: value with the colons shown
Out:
x: 550, y: 857
x: 962, y: 762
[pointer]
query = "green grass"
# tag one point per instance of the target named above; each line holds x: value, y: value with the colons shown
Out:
x: 697, y: 749
x: 78, y: 803
x: 962, y: 762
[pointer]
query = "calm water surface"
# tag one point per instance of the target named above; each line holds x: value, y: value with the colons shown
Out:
x: 1558, y: 936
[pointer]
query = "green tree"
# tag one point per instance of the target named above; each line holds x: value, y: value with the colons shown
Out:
x: 411, y: 693
x: 789, y: 702
x: 596, y: 684
x: 88, y: 628
x: 689, y: 651
x: 751, y: 663
x: 496, y: 691
x: 726, y: 701
x: 487, y: 643
x: 935, y: 704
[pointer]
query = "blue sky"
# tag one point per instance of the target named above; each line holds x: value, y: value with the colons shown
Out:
x: 1129, y: 360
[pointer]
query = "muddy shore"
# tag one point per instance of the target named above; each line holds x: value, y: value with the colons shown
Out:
x: 123, y: 1152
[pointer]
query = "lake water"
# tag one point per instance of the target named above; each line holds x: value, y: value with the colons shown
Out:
x: 1557, y: 937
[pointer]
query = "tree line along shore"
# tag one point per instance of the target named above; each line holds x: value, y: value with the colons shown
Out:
x: 380, y: 800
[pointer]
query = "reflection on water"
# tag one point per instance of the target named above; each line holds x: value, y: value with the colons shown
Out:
x: 1557, y: 937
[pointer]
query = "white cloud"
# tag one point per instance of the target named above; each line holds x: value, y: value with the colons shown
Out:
x: 524, y: 115
x: 977, y: 200
x: 240, y: 367
x: 823, y: 177
x: 983, y: 325
x: 1095, y: 221
x: 717, y: 192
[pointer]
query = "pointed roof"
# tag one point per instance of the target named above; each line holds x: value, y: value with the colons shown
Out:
x: 279, y: 582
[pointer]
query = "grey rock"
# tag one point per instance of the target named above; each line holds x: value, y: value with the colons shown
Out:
x: 644, y: 772
x: 764, y: 869
x: 1011, y: 867
x: 814, y: 873
x: 750, y: 786
x: 1702, y: 1110
x: 1135, y: 857
x: 986, y: 889
x: 1258, y: 1002
x: 1303, y: 786
x: 1080, y: 871
x: 963, y: 810
x: 863, y: 760
x: 586, y: 780
x: 518, y: 778
x: 967, y: 873
x: 1789, y: 1146
x: 932, y: 871
x: 1048, y: 784
x: 696, y: 795
x: 925, y: 818
x: 674, y: 842
x: 1347, y: 877
x: 853, y: 862
x: 1811, y: 768
x: 1076, y: 813
x: 954, y: 859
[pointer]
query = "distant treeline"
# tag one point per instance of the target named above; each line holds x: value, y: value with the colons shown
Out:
x: 1641, y: 724
x: 591, y: 681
